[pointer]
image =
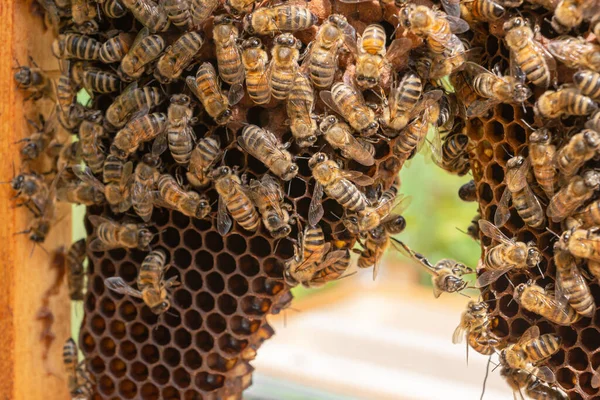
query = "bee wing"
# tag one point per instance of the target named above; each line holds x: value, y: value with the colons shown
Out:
x: 315, y: 210
x: 397, y: 49
x: 472, y: 70
x: 596, y: 379
x: 491, y: 276
x: 560, y: 294
x: 491, y: 231
x: 544, y: 373
x: 98, y: 245
x: 327, y: 98
x: 96, y: 220
x: 117, y: 284
x: 357, y: 150
x: 457, y: 25
x: 530, y: 334
x: 516, y: 179
x: 401, y: 203
x: 350, y: 39
x: 235, y: 94
x: 314, y: 257
x: 435, y: 145
x: 223, y: 220
x: 548, y: 57
x: 331, y: 258
x: 127, y: 174
x: 160, y: 144
x: 452, y: 7
x: 144, y: 32
x: 357, y: 177
x: 459, y: 334
x: 502, y: 212
x: 515, y: 69
x: 480, y: 106
x: 192, y: 85
x: 429, y: 99
x: 85, y: 174
x: 377, y: 264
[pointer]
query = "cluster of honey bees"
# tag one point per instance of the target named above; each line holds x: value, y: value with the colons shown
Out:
x: 346, y: 95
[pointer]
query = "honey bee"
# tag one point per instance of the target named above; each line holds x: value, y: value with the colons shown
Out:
x: 204, y: 155
x: 321, y: 60
x: 33, y: 80
x: 238, y: 7
x: 69, y: 155
x: 336, y: 182
x: 311, y: 258
x: 475, y: 324
x: 542, y: 154
x: 388, y: 206
x: 143, y: 186
x: 481, y: 10
x: 145, y: 49
x: 152, y: 286
x: 563, y: 102
x: 75, y: 273
x: 75, y: 46
x: 113, y: 235
x: 234, y: 198
x: 173, y: 196
x: 437, y: 28
x: 527, y: 54
x: 207, y: 89
x: 180, y: 134
x: 574, y: 194
x: 117, y: 176
x: 455, y: 156
x: 65, y: 91
x: 200, y: 10
x: 494, y: 88
x: 575, y: 52
x: 571, y: 287
x: 178, y: 57
x: 113, y: 8
x: 32, y: 189
x: 580, y: 148
x: 229, y: 55
x: 284, y: 65
x: 256, y: 60
x: 468, y: 191
x: 587, y: 217
x: 300, y: 105
x: 569, y: 14
x: 588, y: 83
x: 268, y: 198
x: 150, y: 14
x: 524, y: 200
x: 529, y: 351
x: 348, y: 102
x: 519, y: 379
x: 39, y: 142
x: 179, y: 13
x: 537, y: 300
x: 265, y: 147
x: 83, y: 11
x: 473, y: 228
x: 136, y: 132
x: 373, y: 58
x: 280, y: 18
x: 331, y: 272
x: 87, y: 191
x: 90, y: 134
x: 505, y: 256
x: 446, y: 274
x: 99, y: 81
x: 339, y: 136
x: 77, y: 378
x: 402, y: 101
x: 131, y: 101
x: 581, y: 243
x: 593, y: 122
x: 115, y: 48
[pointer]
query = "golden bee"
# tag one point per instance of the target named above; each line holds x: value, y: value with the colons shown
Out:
x: 339, y: 136
x: 99, y: 81
x: 145, y: 49
x: 233, y: 198
x: 283, y: 67
x: 481, y: 10
x: 331, y: 272
x: 256, y: 60
x: 571, y: 287
x: 532, y: 349
x: 150, y: 14
x: 90, y: 134
x: 580, y: 148
x: 468, y: 191
x: 494, y: 88
x: 204, y: 155
x: 113, y: 235
x: 575, y: 52
x: 505, y: 256
x: 279, y: 18
x: 581, y: 243
x: 569, y: 14
x: 300, y: 106
x: 173, y: 196
x: 588, y: 83
x: 527, y: 54
x: 587, y: 217
x: 523, y: 199
x: 227, y: 49
x: 475, y: 324
x: 398, y: 108
x: 77, y: 378
x: 321, y: 60
x: 207, y: 89
x: 519, y: 379
x: 87, y: 191
x: 153, y: 288
x: 574, y: 194
x: 180, y: 135
x: 348, y: 102
x: 565, y: 101
x: 537, y: 300
x: 388, y: 206
x: 336, y: 182
x: 178, y: 57
x: 542, y: 154
x: 33, y: 80
x: 143, y: 186
x: 311, y: 257
x: 75, y: 272
x: 268, y: 198
x: 268, y: 149
x: 131, y: 101
x: 238, y: 7
x: 372, y: 56
x: 74, y: 46
x: 115, y: 48
x: 136, y: 132
x: 117, y: 175
x: 179, y: 13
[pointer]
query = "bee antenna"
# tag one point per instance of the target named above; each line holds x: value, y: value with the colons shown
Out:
x: 302, y: 158
x: 539, y: 269
x: 527, y: 123
x: 335, y: 215
x: 487, y: 372
x: 552, y: 232
x: 465, y: 295
x: 509, y: 281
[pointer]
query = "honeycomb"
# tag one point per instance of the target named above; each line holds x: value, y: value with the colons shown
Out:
x: 496, y: 137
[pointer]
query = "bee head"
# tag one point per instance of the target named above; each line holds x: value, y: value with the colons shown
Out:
x: 366, y: 81
x: 502, y: 357
x: 30, y: 151
x: 515, y: 162
x: 517, y: 22
x: 23, y: 76
x: 180, y: 99
x: 17, y: 182
x: 591, y: 138
x: 519, y: 290
x: 281, y: 232
x: 203, y: 208
x: 454, y: 283
x: 287, y: 277
x: 521, y: 92
x: 475, y: 307
x: 286, y: 39
x: 93, y: 116
x: 251, y: 43
x: 371, y: 129
x: 592, y: 178
x: 224, y: 19
x: 351, y: 224
x: 316, y: 159
x: 338, y: 20
x: 144, y: 238
x: 118, y: 152
x: 224, y: 117
x: 220, y: 172
x: 291, y: 172
x: 327, y: 123
x: 161, y: 307
x: 58, y: 46
x: 248, y: 24
x: 540, y: 136
x: 151, y: 160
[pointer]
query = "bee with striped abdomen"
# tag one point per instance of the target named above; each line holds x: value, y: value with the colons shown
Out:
x: 535, y: 299
x: 569, y: 14
x: 113, y: 8
x: 40, y: 141
x: 145, y: 49
x: 75, y: 272
x: 573, y: 195
x: 389, y: 205
x: 131, y: 101
x: 178, y: 57
x: 143, y: 186
x: 90, y: 134
x: 77, y: 377
x: 113, y: 235
x: 256, y: 60
x: 88, y: 190
x: 575, y: 52
x: 180, y: 135
x: 32, y: 190
x: 173, y: 196
x: 580, y: 148
x: 339, y: 136
x: 227, y: 50
x: 476, y: 325
x: 455, y: 154
x: 33, y: 80
x: 300, y: 106
x: 283, y: 67
x: 279, y: 18
x: 481, y: 10
x: 152, y: 286
x: 268, y: 198
x: 233, y: 198
x: 542, y: 154
x: 74, y: 46
x: 581, y: 243
x: 150, y: 14
x: 468, y: 191
x: 179, y: 13
x: 117, y: 176
x: 200, y: 10
x: 565, y: 101
x: 204, y: 155
x: 519, y: 379
x: 115, y: 48
x: 99, y: 81
x: 587, y: 217
x: 571, y: 287
x: 136, y: 132
x: 238, y: 7
x: 398, y: 107
x: 348, y: 102
x: 588, y: 83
